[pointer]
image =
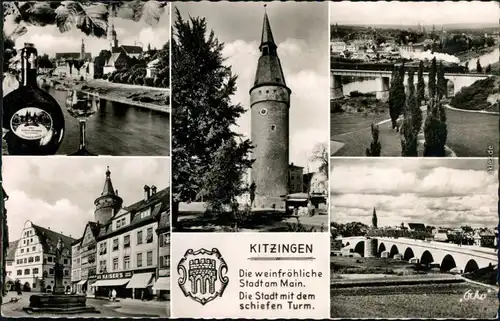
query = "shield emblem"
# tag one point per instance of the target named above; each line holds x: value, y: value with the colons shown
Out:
x: 202, y: 275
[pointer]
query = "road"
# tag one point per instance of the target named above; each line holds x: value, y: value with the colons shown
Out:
x: 124, y: 308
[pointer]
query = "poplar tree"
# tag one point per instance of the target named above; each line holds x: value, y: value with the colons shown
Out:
x: 412, y: 122
x: 441, y: 82
x: 420, y: 84
x: 435, y: 130
x: 396, y: 95
x: 432, y: 78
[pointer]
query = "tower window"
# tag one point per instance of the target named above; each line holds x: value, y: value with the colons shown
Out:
x: 265, y: 50
x: 263, y: 112
x: 273, y: 127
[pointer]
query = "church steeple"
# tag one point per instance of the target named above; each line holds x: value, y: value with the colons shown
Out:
x: 269, y: 71
x: 82, y: 50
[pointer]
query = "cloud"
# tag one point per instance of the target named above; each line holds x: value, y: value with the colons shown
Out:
x: 447, y: 195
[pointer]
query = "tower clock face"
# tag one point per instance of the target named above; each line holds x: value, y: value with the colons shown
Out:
x: 263, y: 111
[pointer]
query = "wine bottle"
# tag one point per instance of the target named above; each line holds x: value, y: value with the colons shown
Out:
x: 32, y: 120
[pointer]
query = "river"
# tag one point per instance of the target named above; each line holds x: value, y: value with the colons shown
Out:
x: 117, y: 130
x: 366, y: 86
x: 486, y: 59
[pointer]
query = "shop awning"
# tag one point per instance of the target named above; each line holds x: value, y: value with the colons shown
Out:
x: 115, y: 282
x: 163, y: 283
x: 82, y: 282
x: 140, y: 280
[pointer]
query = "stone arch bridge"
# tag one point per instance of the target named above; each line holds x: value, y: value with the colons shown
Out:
x: 455, y: 81
x: 446, y: 255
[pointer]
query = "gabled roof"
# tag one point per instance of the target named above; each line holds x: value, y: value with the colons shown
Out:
x: 131, y: 49
x: 11, y: 250
x: 114, y: 57
x: 49, y: 239
x: 164, y: 222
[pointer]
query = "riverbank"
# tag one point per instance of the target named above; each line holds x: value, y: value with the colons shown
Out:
x: 157, y: 99
x: 466, y: 56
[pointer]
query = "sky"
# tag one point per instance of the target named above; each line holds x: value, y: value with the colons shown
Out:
x: 409, y: 13
x: 59, y: 192
x: 437, y: 192
x: 49, y: 40
x: 301, y: 33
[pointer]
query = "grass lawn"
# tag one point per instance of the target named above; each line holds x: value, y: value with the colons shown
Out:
x: 469, y: 134
x: 414, y: 301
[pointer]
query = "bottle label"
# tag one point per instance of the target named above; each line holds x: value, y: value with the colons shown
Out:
x: 31, y: 123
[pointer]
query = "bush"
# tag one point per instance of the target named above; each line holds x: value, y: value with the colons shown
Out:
x: 105, y: 76
x: 157, y: 81
x: 165, y: 82
x: 148, y: 81
x: 131, y: 79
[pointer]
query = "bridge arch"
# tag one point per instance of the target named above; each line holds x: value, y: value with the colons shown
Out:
x: 448, y: 263
x: 408, y: 254
x: 471, y: 266
x: 426, y: 258
x: 381, y: 248
x: 360, y: 248
x: 394, y: 251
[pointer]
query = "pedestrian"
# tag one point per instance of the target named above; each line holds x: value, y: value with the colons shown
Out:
x: 142, y: 295
x: 113, y: 294
x: 109, y: 294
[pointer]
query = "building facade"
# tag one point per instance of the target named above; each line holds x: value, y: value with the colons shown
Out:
x: 34, y: 258
x: 162, y: 284
x: 76, y: 274
x: 296, y: 181
x: 270, y: 104
x: 125, y: 249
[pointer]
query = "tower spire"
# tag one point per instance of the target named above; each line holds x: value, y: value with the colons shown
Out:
x: 108, y: 185
x: 269, y: 71
x: 267, y: 39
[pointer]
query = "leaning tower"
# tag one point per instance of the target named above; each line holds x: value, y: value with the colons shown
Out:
x: 108, y: 203
x: 269, y: 103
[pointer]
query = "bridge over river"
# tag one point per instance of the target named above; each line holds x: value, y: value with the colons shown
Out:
x: 455, y: 80
x: 466, y: 258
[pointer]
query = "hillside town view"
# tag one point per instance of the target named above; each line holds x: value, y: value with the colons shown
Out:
x: 90, y: 251
x: 421, y: 241
x: 391, y: 79
x: 121, y: 55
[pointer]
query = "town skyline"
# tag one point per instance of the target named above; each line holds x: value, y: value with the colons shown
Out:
x: 440, y: 193
x: 49, y: 40
x: 63, y: 198
x: 413, y: 13
x: 304, y: 57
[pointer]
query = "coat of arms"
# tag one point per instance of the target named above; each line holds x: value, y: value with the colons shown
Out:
x: 202, y: 275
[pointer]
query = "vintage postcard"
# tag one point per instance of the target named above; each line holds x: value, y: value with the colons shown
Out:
x: 414, y: 78
x: 88, y: 243
x: 422, y: 244
x: 86, y: 78
x: 249, y: 117
x: 256, y: 275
